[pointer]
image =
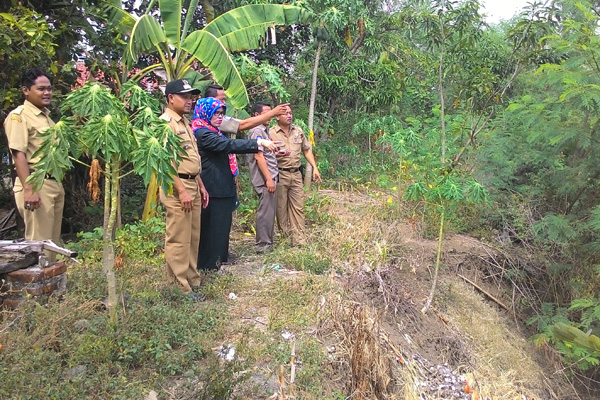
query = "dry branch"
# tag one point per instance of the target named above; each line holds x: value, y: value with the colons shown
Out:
x: 495, y: 300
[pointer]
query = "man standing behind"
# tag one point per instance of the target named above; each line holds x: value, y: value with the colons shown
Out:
x: 232, y: 125
x: 290, y: 195
x: 264, y: 175
x: 183, y: 206
x: 42, y: 211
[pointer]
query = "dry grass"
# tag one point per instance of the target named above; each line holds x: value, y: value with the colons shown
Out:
x: 366, y: 363
x: 372, y: 249
x: 504, y: 364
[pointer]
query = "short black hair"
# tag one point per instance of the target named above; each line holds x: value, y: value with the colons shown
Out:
x: 31, y: 75
x: 211, y: 90
x: 258, y: 107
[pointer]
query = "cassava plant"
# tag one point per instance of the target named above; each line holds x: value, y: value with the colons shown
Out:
x: 445, y: 191
x: 119, y: 132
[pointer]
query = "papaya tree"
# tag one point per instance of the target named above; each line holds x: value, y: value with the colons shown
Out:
x: 178, y: 50
x: 114, y: 132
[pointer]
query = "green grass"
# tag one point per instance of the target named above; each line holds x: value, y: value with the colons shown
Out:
x: 160, y: 333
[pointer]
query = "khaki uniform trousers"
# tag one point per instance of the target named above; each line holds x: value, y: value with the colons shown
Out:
x: 182, y: 236
x: 45, y: 222
x: 265, y: 216
x: 290, y: 204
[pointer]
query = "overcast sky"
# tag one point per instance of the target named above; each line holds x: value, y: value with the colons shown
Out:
x: 502, y: 9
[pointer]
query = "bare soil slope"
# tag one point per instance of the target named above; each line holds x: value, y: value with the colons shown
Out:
x: 364, y: 314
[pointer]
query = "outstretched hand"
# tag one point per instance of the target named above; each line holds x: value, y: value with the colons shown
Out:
x: 280, y: 109
x: 268, y: 144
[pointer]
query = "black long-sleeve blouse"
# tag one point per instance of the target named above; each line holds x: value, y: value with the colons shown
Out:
x: 214, y: 149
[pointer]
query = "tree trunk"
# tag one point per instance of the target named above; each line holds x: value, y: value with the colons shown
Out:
x: 441, y: 82
x: 106, y: 234
x: 151, y: 199
x: 108, y: 262
x: 437, y: 264
x: 442, y: 104
x: 311, y: 109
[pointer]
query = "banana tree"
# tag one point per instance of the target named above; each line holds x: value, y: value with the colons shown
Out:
x: 178, y: 49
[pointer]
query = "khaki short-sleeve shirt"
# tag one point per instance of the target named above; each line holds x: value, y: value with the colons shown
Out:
x: 190, y: 158
x: 23, y: 127
x: 295, y: 141
x: 230, y: 125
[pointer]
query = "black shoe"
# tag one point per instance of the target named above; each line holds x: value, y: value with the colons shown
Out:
x: 231, y: 259
x: 197, y: 289
x: 197, y: 297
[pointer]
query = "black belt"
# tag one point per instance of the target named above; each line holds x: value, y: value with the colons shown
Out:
x: 187, y: 176
x: 289, y: 169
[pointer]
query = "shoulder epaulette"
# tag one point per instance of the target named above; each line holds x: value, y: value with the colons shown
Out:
x: 17, y: 110
x: 165, y: 117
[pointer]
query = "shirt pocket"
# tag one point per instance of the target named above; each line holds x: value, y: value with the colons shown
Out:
x: 185, y: 141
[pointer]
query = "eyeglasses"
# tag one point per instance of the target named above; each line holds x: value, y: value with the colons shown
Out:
x: 219, y: 113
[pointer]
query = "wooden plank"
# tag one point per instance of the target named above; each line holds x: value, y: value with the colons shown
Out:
x: 36, y: 245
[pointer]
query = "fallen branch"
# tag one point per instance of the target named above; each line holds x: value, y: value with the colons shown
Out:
x: 495, y: 300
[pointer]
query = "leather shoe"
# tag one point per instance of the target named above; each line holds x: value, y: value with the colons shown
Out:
x: 197, y: 297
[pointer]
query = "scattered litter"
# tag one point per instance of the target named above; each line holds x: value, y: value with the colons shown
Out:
x: 232, y: 296
x: 440, y: 380
x: 287, y: 335
x: 227, y: 353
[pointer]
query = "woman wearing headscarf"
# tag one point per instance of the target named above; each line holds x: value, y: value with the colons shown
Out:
x: 219, y: 167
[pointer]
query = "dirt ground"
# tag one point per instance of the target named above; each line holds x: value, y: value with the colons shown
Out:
x: 470, y: 344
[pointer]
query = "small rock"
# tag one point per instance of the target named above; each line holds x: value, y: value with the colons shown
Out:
x: 76, y: 371
x: 82, y: 325
x: 152, y: 395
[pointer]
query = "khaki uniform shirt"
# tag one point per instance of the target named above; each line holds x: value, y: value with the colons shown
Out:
x: 190, y: 158
x: 255, y: 175
x: 296, y: 142
x: 230, y: 125
x: 23, y: 127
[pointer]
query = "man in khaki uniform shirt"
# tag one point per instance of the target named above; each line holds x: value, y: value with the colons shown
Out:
x: 290, y: 195
x: 184, y: 204
x: 42, y: 211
